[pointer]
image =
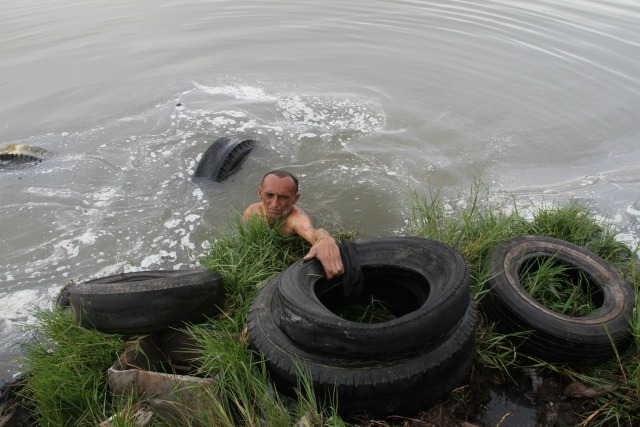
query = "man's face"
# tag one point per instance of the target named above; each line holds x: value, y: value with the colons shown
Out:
x: 278, y: 196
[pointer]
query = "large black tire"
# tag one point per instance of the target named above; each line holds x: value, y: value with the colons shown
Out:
x: 555, y: 337
x: 378, y: 386
x: 424, y: 282
x: 223, y: 157
x: 145, y: 302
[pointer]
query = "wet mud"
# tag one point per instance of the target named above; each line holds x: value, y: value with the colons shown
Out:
x: 529, y: 398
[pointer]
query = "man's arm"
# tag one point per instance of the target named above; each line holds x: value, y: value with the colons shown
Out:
x: 323, y: 246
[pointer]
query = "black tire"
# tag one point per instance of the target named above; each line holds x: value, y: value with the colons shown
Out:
x: 555, y: 337
x: 378, y: 386
x: 145, y: 302
x: 424, y: 282
x: 223, y: 157
x: 22, y: 153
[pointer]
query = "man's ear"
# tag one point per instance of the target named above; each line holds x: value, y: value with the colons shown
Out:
x: 260, y: 192
x: 295, y: 198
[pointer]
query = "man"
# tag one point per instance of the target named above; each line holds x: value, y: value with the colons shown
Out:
x: 278, y: 193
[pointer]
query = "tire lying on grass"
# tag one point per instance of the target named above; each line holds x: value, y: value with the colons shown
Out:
x: 424, y: 282
x: 379, y: 384
x: 223, y: 157
x: 556, y: 337
x: 145, y: 302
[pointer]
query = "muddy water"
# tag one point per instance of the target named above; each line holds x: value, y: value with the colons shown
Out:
x: 367, y: 101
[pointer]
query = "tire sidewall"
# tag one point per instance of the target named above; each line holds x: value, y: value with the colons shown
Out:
x: 554, y: 336
x: 145, y: 302
x: 308, y: 322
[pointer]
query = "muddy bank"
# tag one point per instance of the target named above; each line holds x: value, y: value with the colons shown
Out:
x: 530, y: 398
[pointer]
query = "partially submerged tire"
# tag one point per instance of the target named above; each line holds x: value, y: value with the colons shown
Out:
x: 378, y: 385
x: 424, y: 282
x: 145, y: 302
x: 552, y: 336
x: 22, y: 153
x: 223, y: 158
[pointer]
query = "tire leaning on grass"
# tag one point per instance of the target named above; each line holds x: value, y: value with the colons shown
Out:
x: 556, y: 337
x: 424, y: 282
x: 223, y: 157
x: 145, y: 302
x: 379, y: 386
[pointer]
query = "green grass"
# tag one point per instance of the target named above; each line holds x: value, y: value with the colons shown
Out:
x: 562, y: 288
x: 67, y: 370
x: 241, y: 395
x: 247, y: 257
x: 370, y: 310
x: 67, y: 364
x: 476, y: 225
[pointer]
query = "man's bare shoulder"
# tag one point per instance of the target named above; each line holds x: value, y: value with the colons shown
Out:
x: 253, y: 209
x: 297, y: 215
x: 297, y: 220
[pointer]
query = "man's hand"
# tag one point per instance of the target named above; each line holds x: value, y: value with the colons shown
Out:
x: 327, y: 252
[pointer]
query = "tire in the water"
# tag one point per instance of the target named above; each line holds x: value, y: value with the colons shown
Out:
x: 378, y: 386
x: 425, y: 283
x: 555, y: 337
x: 145, y: 302
x: 223, y: 158
x: 22, y: 153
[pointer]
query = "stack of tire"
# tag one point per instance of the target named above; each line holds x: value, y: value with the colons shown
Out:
x: 393, y: 367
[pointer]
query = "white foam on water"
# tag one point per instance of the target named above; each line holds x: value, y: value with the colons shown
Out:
x: 157, y: 259
x: 88, y: 237
x: 192, y: 217
x: 110, y: 270
x: 17, y: 310
x: 16, y: 307
x: 330, y: 115
x: 198, y: 194
x: 299, y: 116
x: 185, y: 241
x: 66, y: 249
x: 236, y: 114
x: 104, y: 197
x: 631, y: 210
x: 246, y: 92
x: 631, y: 238
x: 222, y: 121
x: 52, y: 192
x: 307, y: 135
x: 172, y: 223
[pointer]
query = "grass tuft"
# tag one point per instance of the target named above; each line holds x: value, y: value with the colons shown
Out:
x: 248, y: 257
x: 370, y: 310
x: 562, y: 288
x: 67, y: 367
